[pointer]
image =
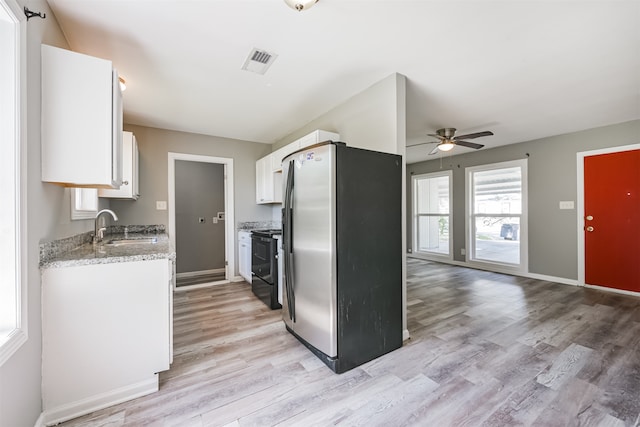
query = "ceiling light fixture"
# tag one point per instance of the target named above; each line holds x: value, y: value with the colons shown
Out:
x: 123, y: 84
x: 445, y: 146
x: 300, y: 5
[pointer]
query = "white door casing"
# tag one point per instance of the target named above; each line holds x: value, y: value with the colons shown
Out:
x: 228, y: 204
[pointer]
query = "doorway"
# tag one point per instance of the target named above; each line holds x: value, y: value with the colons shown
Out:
x: 609, y: 218
x: 201, y: 219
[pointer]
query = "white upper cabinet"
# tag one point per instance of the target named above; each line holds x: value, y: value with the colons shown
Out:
x: 81, y: 120
x: 267, y: 185
x: 269, y: 168
x: 129, y: 188
x: 306, y: 141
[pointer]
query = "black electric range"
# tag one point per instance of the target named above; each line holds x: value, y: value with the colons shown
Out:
x: 264, y: 266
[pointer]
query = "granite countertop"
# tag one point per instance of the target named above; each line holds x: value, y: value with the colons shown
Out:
x: 103, y: 253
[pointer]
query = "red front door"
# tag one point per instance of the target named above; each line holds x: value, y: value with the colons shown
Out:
x: 612, y: 220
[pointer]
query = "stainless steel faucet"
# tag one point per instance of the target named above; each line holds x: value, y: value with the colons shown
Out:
x: 98, y: 233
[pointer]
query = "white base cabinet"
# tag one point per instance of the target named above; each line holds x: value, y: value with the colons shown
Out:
x: 244, y: 255
x: 105, y: 334
x: 130, y: 184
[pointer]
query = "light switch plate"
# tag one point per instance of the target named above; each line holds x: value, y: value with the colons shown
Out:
x: 566, y: 204
x: 161, y: 205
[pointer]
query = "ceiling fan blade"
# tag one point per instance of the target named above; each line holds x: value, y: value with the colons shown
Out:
x: 469, y: 144
x: 435, y: 150
x: 423, y: 143
x: 474, y: 135
x: 436, y: 136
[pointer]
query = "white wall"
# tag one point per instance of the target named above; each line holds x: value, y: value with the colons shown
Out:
x: 374, y: 119
x: 48, y: 218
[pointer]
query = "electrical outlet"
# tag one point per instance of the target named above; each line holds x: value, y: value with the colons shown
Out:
x: 161, y: 205
x: 215, y: 219
x: 463, y: 251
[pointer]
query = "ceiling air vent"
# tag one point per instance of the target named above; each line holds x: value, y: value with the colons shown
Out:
x: 259, y: 61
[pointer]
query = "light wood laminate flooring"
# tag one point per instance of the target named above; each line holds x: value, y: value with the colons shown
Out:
x: 486, y: 350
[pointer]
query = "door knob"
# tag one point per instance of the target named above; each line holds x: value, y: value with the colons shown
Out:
x: 589, y: 228
x: 589, y: 218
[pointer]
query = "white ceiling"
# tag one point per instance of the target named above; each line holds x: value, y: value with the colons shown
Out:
x: 523, y: 69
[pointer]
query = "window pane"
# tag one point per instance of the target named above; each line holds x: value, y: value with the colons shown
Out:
x: 433, y: 234
x: 498, y: 191
x: 432, y: 195
x: 86, y: 199
x: 8, y: 288
x: 497, y: 239
x: 9, y: 285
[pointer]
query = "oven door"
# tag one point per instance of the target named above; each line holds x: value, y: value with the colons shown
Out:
x: 264, y: 268
x: 262, y: 258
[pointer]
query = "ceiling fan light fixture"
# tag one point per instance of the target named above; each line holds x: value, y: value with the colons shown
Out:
x: 446, y: 146
x: 300, y: 5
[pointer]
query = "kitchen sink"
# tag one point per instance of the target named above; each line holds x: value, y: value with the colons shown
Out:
x: 121, y: 242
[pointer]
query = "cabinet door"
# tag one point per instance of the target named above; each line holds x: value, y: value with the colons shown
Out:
x: 129, y: 187
x: 81, y: 120
x: 264, y: 181
x: 244, y: 255
x: 105, y: 327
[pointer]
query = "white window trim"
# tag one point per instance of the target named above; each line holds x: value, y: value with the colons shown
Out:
x: 20, y: 334
x: 431, y: 255
x: 83, y: 213
x: 524, y: 222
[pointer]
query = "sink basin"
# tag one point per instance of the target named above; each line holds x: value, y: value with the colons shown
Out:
x: 121, y: 242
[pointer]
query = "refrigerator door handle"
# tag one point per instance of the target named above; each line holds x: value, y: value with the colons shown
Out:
x: 288, y: 242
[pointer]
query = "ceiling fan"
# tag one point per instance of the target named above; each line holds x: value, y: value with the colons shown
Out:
x: 448, y: 140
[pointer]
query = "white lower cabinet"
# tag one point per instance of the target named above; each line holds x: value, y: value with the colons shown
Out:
x: 244, y: 254
x: 106, y: 333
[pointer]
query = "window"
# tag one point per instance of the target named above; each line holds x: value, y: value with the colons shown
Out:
x: 497, y: 196
x: 432, y: 214
x: 84, y: 203
x: 12, y: 247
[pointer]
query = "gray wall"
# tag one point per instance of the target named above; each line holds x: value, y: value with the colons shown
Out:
x: 48, y: 217
x: 552, y: 177
x: 155, y: 144
x: 199, y: 194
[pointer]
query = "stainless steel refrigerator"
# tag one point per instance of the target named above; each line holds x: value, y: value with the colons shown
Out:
x: 342, y: 252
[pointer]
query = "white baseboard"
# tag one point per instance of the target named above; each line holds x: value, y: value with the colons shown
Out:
x: 405, y: 335
x: 237, y: 279
x: 615, y: 291
x: 554, y: 279
x: 86, y: 406
x: 200, y: 286
x: 40, y: 421
x: 199, y: 273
